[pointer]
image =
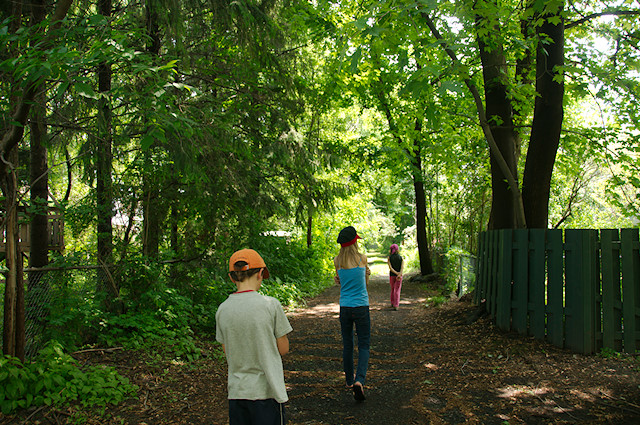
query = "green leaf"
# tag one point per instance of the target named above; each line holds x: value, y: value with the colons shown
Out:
x: 355, y: 59
x: 85, y: 90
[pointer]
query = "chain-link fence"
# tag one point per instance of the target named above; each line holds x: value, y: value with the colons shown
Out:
x: 55, y: 302
x: 459, y: 270
x: 466, y: 267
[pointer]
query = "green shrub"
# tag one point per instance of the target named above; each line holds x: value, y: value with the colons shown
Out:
x: 54, y: 378
x: 161, y: 322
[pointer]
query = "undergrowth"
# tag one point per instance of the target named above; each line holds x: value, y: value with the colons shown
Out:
x: 53, y: 378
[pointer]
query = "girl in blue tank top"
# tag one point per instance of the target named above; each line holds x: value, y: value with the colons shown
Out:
x: 352, y: 274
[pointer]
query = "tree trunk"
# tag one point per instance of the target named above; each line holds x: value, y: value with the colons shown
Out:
x: 151, y: 195
x: 309, y: 229
x: 104, y: 185
x: 13, y: 330
x: 499, y: 113
x: 426, y: 264
x: 39, y: 231
x: 547, y: 124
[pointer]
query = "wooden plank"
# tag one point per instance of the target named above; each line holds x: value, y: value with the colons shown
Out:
x: 630, y: 261
x: 495, y: 258
x: 611, y: 300
x: 590, y: 283
x: 503, y: 287
x: 480, y: 255
x: 537, y: 290
x: 487, y: 267
x: 574, y: 314
x: 555, y: 288
x: 520, y: 280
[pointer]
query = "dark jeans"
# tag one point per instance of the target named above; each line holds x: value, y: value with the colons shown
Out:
x: 256, y: 412
x: 358, y: 316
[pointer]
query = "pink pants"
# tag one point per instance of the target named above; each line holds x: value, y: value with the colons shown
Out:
x: 396, y: 285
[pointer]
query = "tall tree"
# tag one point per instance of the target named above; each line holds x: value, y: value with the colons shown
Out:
x: 103, y: 161
x: 151, y: 202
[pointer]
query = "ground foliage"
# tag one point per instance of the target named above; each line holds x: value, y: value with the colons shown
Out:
x: 428, y: 366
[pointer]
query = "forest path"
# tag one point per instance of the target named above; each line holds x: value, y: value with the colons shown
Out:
x: 313, y: 368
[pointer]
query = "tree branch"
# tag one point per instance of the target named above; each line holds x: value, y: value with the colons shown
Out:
x: 597, y: 15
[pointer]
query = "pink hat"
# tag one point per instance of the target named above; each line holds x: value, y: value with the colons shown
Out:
x: 393, y: 248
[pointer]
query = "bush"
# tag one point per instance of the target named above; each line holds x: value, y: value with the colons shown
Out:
x: 161, y: 321
x: 54, y: 378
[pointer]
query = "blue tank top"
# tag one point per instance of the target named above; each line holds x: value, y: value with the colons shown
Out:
x: 353, y: 287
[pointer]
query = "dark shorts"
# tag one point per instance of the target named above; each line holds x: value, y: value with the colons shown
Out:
x: 256, y: 412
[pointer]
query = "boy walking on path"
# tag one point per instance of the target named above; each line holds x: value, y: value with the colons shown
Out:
x: 252, y: 329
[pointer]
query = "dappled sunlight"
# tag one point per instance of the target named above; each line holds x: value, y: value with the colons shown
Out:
x: 523, y: 391
x: 331, y: 309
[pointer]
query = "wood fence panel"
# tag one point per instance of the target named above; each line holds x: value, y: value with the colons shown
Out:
x: 520, y: 280
x: 503, y: 281
x: 611, y: 295
x: 630, y: 260
x: 537, y: 290
x: 583, y: 294
x: 555, y: 288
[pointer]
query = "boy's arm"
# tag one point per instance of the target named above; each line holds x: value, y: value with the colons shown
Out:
x: 283, y: 345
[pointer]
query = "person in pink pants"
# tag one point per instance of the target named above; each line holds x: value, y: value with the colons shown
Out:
x: 396, y: 268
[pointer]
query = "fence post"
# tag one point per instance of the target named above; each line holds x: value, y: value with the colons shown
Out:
x: 520, y: 280
x: 536, y: 304
x: 503, y: 281
x: 555, y: 288
x: 580, y: 289
x: 611, y: 295
x: 481, y: 280
x: 630, y: 287
x: 591, y: 282
x: 494, y: 244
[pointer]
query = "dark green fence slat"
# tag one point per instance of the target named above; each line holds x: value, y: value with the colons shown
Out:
x: 611, y: 301
x: 630, y: 260
x: 479, y: 287
x: 520, y: 280
x: 555, y: 288
x: 487, y: 266
x: 495, y: 260
x: 537, y: 292
x: 590, y: 283
x: 574, y: 316
x: 503, y: 288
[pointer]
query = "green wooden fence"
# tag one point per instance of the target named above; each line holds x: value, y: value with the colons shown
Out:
x: 578, y: 289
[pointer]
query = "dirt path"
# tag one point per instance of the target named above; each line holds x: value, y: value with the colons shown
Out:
x: 313, y: 369
x: 427, y: 367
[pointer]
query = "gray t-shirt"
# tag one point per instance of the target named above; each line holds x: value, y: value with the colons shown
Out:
x: 248, y: 325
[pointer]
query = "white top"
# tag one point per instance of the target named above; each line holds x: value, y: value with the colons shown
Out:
x: 248, y: 325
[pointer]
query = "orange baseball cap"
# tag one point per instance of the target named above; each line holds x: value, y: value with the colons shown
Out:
x: 252, y: 258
